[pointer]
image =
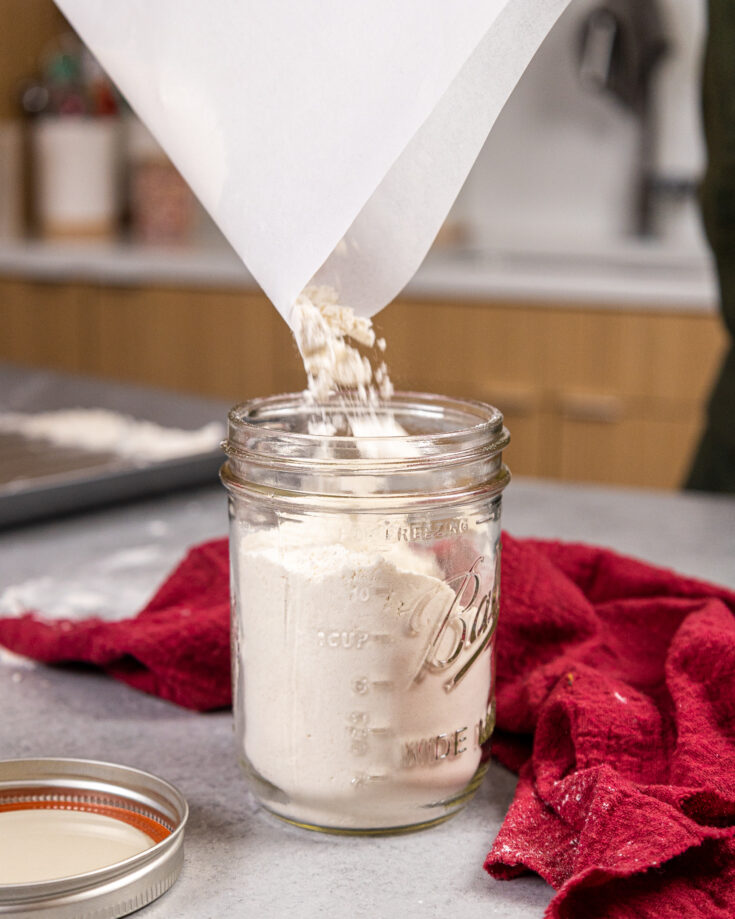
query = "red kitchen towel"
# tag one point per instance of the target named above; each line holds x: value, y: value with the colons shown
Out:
x: 624, y: 675
x: 177, y: 647
x: 616, y: 701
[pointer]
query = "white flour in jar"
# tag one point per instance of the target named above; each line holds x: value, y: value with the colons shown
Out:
x: 343, y: 716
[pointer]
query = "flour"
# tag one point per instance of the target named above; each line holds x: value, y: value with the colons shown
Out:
x: 104, y: 431
x: 342, y: 716
x: 108, y: 587
x: 323, y: 330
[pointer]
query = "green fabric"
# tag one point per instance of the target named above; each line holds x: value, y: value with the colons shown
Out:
x: 714, y: 465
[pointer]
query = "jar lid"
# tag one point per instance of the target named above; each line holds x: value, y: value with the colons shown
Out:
x: 86, y: 839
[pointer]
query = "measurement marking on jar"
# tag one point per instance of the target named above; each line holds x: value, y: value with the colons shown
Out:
x: 348, y: 640
x: 492, y: 517
x: 357, y: 730
x: 382, y: 638
x: 363, y: 685
x: 364, y: 593
x: 362, y: 779
x: 342, y: 639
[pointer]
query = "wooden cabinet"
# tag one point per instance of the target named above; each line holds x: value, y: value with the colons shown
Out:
x: 27, y: 28
x: 628, y: 390
x: 217, y: 343
x: 42, y: 324
x: 476, y: 350
x: 589, y: 394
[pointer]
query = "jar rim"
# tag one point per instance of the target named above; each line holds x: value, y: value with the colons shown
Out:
x: 451, y: 427
x: 455, y: 457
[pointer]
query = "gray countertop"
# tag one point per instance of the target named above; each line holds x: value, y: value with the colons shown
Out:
x: 239, y: 861
x: 618, y: 273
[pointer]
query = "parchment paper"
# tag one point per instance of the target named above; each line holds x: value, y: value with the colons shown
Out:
x: 326, y: 138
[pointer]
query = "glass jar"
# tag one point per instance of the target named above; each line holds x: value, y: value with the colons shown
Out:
x: 365, y: 583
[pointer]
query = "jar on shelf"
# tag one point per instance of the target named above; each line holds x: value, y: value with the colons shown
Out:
x: 365, y: 586
x: 162, y: 207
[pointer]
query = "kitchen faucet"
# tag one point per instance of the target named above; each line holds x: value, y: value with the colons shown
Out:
x: 622, y: 42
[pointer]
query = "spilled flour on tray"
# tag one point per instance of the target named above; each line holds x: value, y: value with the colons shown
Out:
x: 104, y: 431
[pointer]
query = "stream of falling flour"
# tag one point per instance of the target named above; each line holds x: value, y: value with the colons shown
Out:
x: 325, y: 331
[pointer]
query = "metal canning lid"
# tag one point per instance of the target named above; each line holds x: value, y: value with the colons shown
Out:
x: 116, y: 802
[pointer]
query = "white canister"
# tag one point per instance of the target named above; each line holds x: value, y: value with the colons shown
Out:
x: 77, y: 187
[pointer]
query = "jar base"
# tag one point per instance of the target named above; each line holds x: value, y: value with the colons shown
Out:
x: 455, y: 805
x: 372, y: 831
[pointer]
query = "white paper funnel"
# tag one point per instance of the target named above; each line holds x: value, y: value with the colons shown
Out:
x: 325, y: 137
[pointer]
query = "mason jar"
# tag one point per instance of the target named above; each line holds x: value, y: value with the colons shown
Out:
x: 365, y: 586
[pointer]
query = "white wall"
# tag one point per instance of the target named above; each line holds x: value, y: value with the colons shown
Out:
x: 681, y: 148
x: 558, y: 167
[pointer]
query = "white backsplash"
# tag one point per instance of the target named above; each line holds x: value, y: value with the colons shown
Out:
x: 681, y: 146
x: 559, y: 168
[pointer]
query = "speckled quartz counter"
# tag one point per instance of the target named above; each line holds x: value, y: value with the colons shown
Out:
x: 239, y: 861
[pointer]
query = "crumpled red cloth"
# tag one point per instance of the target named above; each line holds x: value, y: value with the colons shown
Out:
x: 177, y: 647
x: 625, y: 676
x: 616, y: 702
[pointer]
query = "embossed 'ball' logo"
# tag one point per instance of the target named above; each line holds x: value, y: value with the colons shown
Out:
x: 468, y: 624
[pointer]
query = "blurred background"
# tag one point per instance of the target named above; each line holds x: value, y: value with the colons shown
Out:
x: 571, y: 284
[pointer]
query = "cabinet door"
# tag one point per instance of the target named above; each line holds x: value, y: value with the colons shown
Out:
x: 628, y: 390
x: 41, y: 324
x: 648, y: 453
x: 643, y: 354
x: 473, y: 350
x: 529, y: 452
x: 461, y: 343
x: 213, y: 343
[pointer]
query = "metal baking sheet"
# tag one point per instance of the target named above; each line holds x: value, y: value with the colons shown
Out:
x: 39, y: 479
